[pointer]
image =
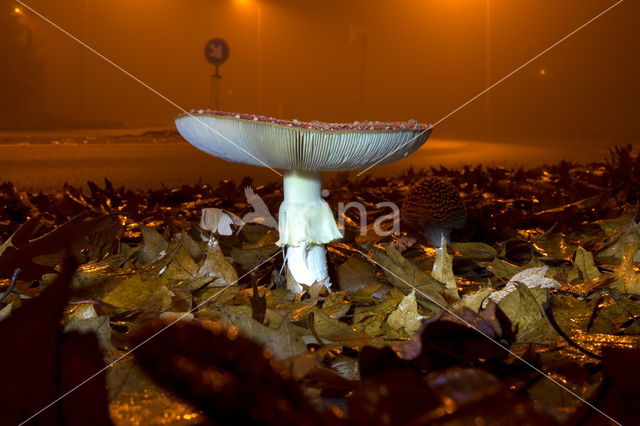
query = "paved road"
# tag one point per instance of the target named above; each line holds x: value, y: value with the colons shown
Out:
x: 149, y: 165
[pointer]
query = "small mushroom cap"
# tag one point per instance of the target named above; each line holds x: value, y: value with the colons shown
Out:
x: 434, y: 202
x: 296, y: 145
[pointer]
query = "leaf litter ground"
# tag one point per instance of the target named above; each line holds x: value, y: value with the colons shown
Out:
x: 546, y: 269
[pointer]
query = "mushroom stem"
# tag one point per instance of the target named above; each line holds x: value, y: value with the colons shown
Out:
x: 434, y: 235
x: 307, y: 264
x: 306, y: 224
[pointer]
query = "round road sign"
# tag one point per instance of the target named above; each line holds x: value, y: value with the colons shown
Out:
x: 216, y: 51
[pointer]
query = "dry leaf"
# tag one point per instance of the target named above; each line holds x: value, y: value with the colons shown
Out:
x: 335, y: 305
x: 98, y: 325
x: 473, y: 301
x: 372, y: 319
x: 159, y: 301
x: 336, y: 331
x: 626, y: 278
x: 155, y: 246
x: 406, y: 315
x: 406, y: 276
x: 443, y: 269
x: 585, y: 264
x: 630, y: 234
x: 531, y: 278
x: 192, y: 247
x: 522, y: 307
x: 284, y: 342
x: 5, y: 312
x: 218, y: 221
x: 355, y: 274
x: 260, y: 214
x: 475, y: 251
x: 217, y: 266
x: 133, y: 291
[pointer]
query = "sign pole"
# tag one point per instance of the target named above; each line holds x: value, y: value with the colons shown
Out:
x: 214, y: 100
x: 216, y: 52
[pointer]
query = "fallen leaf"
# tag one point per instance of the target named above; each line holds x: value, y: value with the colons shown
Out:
x: 626, y: 279
x: 336, y: 331
x: 443, y: 270
x: 216, y: 265
x: 44, y: 364
x: 159, y: 301
x: 99, y: 325
x: 218, y: 221
x: 613, y: 252
x: 522, y: 307
x: 618, y: 225
x: 531, y: 278
x: 232, y: 379
x: 555, y: 246
x: 473, y: 301
x: 5, y: 312
x: 130, y: 293
x: 503, y: 269
x: 155, y: 246
x: 261, y: 214
x: 192, y: 247
x: 406, y: 315
x: 335, y: 305
x: 585, y: 264
x: 372, y: 319
x: 283, y: 342
x: 475, y: 251
x: 355, y: 274
x: 406, y: 276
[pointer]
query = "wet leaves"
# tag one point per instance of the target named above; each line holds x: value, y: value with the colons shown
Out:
x: 449, y: 327
x: 231, y: 379
x: 406, y: 276
x: 43, y: 364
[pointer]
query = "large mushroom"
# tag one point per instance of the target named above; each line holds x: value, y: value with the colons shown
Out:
x: 303, y: 150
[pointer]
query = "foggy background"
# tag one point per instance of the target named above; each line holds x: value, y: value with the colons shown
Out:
x: 331, y: 60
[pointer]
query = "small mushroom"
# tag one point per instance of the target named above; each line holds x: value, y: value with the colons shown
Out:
x: 303, y: 150
x: 434, y: 205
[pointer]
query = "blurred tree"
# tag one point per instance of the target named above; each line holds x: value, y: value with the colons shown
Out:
x: 21, y: 69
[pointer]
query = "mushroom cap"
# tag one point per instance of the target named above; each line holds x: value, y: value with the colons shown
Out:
x: 434, y: 201
x: 297, y: 145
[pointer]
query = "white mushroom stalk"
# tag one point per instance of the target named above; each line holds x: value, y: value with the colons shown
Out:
x: 306, y: 224
x: 303, y: 150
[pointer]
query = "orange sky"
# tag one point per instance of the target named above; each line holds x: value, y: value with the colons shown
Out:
x: 422, y: 59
